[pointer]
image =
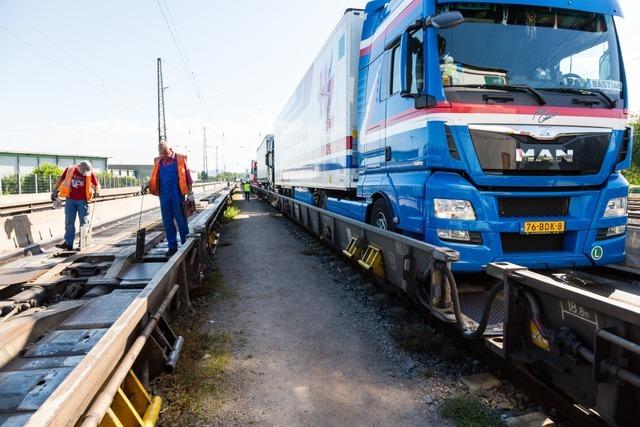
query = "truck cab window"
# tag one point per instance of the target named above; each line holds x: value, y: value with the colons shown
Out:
x: 385, y: 77
x: 416, y: 62
x: 395, y: 69
x: 549, y: 49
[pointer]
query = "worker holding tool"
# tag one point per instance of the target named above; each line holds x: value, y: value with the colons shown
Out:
x: 171, y: 181
x: 246, y: 187
x: 78, y: 184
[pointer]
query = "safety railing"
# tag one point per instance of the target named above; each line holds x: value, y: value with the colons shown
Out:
x: 36, y: 184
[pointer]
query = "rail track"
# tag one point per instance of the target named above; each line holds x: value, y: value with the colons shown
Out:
x: 81, y: 333
x: 21, y: 208
x: 572, y: 335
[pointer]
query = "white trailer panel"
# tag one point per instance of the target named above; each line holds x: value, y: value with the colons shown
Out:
x: 314, y: 132
x: 263, y: 170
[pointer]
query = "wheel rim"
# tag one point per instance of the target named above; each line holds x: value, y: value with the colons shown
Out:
x: 381, y: 221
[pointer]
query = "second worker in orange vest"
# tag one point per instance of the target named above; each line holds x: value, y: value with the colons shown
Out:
x: 78, y: 185
x: 171, y: 181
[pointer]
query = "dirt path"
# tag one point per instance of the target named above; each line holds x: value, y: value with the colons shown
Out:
x: 303, y: 357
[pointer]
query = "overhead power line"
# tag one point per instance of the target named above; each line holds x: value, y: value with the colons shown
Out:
x: 175, y: 37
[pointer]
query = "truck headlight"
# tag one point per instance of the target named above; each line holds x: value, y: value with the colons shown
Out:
x: 618, y: 230
x: 460, y: 235
x: 616, y: 207
x: 453, y: 209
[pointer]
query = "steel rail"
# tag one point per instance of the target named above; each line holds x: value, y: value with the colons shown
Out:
x: 43, y: 205
x: 37, y: 248
x: 38, y: 206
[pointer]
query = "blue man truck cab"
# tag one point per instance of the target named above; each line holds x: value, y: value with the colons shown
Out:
x: 495, y: 128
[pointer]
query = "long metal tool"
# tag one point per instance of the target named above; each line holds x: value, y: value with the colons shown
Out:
x: 87, y: 229
x: 141, y: 234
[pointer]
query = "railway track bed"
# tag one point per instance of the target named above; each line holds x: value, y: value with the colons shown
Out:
x: 72, y: 322
x: 576, y: 332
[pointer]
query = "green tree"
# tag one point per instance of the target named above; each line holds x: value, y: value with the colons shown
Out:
x: 48, y: 169
x: 633, y: 173
x: 41, y: 178
x: 9, y: 184
x: 635, y: 126
x: 108, y: 179
x: 227, y: 176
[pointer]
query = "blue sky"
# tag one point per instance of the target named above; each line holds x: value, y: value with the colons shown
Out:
x: 80, y: 77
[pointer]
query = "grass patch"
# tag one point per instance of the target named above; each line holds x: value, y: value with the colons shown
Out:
x: 417, y: 338
x: 213, y: 285
x: 230, y: 213
x: 466, y: 411
x: 194, y: 394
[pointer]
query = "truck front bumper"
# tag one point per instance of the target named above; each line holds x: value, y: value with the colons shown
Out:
x: 502, y: 236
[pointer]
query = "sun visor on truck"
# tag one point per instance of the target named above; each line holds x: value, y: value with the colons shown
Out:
x: 607, y: 7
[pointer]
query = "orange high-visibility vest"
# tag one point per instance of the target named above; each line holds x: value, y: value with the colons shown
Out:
x: 154, y: 183
x: 64, y: 190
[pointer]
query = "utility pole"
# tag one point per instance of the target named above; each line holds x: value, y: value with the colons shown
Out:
x: 162, y: 124
x: 205, y: 161
x: 217, y: 164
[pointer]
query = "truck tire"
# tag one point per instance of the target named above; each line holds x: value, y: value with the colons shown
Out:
x: 381, y: 216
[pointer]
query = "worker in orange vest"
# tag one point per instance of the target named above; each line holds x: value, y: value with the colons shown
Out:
x: 171, y: 181
x: 78, y: 185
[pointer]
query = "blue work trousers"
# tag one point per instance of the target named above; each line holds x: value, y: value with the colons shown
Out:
x: 71, y: 209
x: 171, y: 209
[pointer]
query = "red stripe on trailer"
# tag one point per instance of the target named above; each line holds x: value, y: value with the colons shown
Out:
x: 365, y: 50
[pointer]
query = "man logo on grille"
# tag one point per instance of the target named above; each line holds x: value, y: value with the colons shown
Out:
x: 545, y: 155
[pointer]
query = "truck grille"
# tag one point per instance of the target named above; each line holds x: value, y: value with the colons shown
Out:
x: 533, y: 207
x: 513, y: 154
x: 516, y: 242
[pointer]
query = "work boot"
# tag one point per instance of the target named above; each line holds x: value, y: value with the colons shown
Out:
x: 64, y: 246
x: 171, y: 252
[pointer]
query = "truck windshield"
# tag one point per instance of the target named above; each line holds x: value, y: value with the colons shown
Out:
x: 542, y: 48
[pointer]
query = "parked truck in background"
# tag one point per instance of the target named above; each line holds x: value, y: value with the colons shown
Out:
x: 495, y: 128
x: 264, y: 171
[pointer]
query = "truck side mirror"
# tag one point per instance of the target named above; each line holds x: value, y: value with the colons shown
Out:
x: 444, y: 20
x: 266, y: 159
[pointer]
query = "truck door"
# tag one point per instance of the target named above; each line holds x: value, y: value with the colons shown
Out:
x: 372, y: 138
x: 404, y: 137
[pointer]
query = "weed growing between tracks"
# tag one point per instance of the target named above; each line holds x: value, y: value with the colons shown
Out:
x: 192, y: 395
x: 230, y: 213
x: 467, y: 411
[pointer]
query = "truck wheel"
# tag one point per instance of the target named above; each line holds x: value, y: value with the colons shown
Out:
x: 381, y: 216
